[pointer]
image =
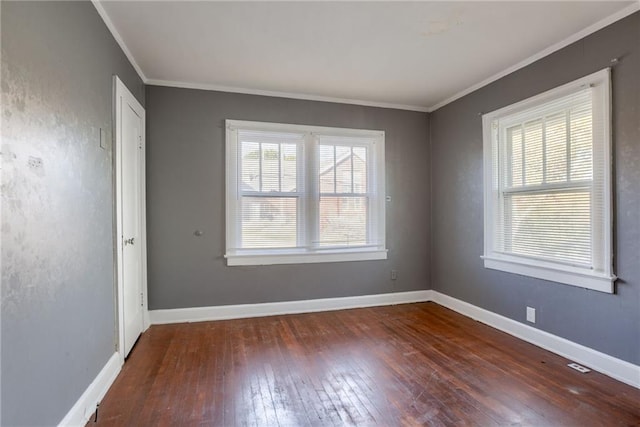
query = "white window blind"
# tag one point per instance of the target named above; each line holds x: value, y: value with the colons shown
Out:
x: 547, y: 185
x: 303, y: 194
x: 269, y: 189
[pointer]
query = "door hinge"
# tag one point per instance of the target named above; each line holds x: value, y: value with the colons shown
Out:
x: 140, y: 142
x: 141, y: 299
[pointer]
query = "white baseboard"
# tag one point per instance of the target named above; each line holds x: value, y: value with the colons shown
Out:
x: 618, y: 369
x: 201, y: 314
x: 615, y: 368
x: 86, y: 405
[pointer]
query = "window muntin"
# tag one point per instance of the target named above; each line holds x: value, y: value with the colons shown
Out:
x: 303, y: 191
x: 547, y: 185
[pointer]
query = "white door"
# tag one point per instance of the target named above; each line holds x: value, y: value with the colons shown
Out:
x: 130, y: 123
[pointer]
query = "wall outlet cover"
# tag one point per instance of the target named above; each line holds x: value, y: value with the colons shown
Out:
x: 531, y: 314
x: 578, y: 368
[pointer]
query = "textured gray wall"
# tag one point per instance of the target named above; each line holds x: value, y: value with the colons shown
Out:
x: 185, y: 192
x: 609, y: 323
x: 58, y: 326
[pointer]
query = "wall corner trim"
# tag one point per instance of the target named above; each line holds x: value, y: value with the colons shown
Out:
x: 618, y: 369
x: 224, y: 312
x: 79, y: 414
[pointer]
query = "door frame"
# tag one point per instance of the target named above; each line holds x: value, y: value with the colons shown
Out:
x: 120, y: 92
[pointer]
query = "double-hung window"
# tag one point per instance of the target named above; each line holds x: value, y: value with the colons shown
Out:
x: 548, y: 185
x: 298, y: 194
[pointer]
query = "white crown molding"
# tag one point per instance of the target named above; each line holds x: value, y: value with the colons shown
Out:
x: 618, y: 369
x: 310, y: 97
x: 290, y: 95
x: 632, y: 8
x: 241, y: 311
x: 116, y: 35
x: 86, y: 405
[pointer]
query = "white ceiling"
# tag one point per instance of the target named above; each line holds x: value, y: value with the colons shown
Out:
x: 415, y: 55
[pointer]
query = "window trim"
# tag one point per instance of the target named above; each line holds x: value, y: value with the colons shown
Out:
x: 307, y: 222
x: 547, y: 270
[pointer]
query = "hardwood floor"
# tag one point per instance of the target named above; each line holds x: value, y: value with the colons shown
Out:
x: 413, y: 364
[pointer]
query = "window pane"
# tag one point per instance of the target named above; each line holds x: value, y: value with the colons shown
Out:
x: 343, y: 169
x: 327, y: 169
x: 556, y: 139
x: 270, y: 167
x: 581, y: 143
x: 533, y: 153
x: 343, y: 221
x: 289, y: 171
x: 359, y: 170
x: 269, y: 222
x: 514, y: 147
x: 250, y: 166
x: 556, y: 226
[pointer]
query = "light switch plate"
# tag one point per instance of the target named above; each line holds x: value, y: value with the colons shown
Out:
x: 531, y: 314
x: 103, y: 138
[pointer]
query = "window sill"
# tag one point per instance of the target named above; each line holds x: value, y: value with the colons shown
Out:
x: 575, y: 276
x: 305, y: 258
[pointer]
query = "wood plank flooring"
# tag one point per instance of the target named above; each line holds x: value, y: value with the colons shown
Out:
x: 412, y: 364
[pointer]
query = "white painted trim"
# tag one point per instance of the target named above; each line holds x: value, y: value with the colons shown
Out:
x: 632, y: 8
x: 116, y: 35
x: 618, y: 369
x: 86, y: 405
x: 143, y: 222
x: 292, y: 128
x: 305, y: 258
x: 202, y: 314
x: 289, y: 95
x: 308, y: 198
x: 598, y: 276
x: 120, y: 90
x: 582, y: 278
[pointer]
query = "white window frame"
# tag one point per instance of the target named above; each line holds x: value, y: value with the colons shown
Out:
x: 601, y: 278
x: 309, y: 199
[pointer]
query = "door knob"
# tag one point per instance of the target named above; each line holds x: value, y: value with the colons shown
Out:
x: 129, y: 241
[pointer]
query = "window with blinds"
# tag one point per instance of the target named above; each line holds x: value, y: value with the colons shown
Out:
x: 547, y: 185
x: 303, y: 194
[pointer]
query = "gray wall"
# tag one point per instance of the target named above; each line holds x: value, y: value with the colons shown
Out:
x: 58, y: 327
x: 185, y: 192
x: 609, y: 323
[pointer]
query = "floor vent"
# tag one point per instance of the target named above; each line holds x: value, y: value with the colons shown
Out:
x: 579, y: 368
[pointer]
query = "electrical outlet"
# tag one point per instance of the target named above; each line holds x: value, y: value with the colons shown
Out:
x: 394, y: 274
x: 531, y: 314
x: 578, y: 368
